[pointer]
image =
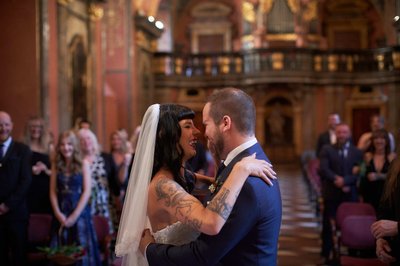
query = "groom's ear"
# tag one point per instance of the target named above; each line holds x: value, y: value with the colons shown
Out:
x: 226, y: 123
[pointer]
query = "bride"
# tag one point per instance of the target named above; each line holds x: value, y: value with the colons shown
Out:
x: 158, y: 194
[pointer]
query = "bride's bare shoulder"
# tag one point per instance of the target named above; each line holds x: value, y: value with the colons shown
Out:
x: 162, y: 174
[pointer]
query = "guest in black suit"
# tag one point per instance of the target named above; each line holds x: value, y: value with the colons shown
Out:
x: 339, y: 175
x: 329, y: 136
x: 15, y: 178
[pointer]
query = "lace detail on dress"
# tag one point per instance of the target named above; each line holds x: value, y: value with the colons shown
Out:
x: 176, y: 234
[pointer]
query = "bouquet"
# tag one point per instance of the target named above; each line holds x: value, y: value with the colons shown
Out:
x: 64, y: 255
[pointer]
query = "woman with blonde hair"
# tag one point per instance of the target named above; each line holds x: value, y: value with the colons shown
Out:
x: 39, y: 139
x: 103, y: 173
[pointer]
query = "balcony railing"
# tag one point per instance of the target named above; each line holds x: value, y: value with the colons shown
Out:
x: 262, y: 66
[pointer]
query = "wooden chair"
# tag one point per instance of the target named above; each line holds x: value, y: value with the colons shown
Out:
x: 103, y: 237
x: 39, y: 230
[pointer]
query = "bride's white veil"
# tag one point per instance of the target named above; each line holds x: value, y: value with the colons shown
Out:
x: 134, y: 218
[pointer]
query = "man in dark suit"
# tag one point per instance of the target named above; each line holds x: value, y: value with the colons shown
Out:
x: 15, y: 178
x: 339, y: 174
x: 250, y: 235
x: 329, y: 136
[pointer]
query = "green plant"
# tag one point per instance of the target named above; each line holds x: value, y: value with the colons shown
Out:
x: 67, y: 250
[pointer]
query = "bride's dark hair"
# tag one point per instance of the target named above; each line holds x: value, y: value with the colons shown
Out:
x: 168, y: 152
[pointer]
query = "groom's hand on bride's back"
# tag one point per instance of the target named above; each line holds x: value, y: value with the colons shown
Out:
x: 147, y: 238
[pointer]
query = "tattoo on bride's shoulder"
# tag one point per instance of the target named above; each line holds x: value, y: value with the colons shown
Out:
x: 220, y: 205
x: 173, y: 196
x: 169, y: 192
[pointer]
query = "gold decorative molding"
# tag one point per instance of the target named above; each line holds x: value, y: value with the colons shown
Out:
x: 266, y: 5
x: 277, y: 61
x: 317, y: 63
x: 396, y: 59
x: 287, y: 37
x: 248, y: 12
x: 281, y: 37
x: 247, y: 38
x: 333, y: 63
x: 65, y: 2
x: 95, y: 12
x: 311, y: 12
x: 293, y: 5
x: 223, y: 62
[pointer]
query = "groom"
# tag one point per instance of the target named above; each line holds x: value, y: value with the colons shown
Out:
x: 250, y: 235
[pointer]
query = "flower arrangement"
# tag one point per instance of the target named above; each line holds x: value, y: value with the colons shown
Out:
x: 64, y: 255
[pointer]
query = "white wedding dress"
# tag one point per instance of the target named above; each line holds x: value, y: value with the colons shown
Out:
x: 176, y: 234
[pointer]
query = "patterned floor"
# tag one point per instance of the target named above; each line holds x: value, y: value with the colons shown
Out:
x: 299, y: 242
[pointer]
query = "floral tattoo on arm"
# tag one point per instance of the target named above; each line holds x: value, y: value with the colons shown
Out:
x: 173, y: 196
x: 220, y: 205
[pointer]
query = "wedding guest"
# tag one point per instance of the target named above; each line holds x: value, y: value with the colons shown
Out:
x: 70, y: 189
x: 121, y: 154
x: 39, y: 139
x: 103, y: 174
x: 15, y: 178
x: 329, y: 136
x: 122, y: 157
x: 376, y: 122
x: 339, y: 178
x: 377, y: 165
x: 386, y: 229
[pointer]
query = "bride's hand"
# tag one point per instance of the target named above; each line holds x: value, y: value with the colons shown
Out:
x: 147, y: 238
x: 260, y: 168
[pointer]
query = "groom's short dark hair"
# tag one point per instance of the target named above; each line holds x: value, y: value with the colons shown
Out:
x: 236, y: 104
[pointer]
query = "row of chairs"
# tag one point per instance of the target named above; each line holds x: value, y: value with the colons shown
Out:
x: 310, y: 172
x: 352, y: 230
x: 39, y: 231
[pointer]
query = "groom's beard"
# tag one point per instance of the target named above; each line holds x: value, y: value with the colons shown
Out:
x: 219, y: 145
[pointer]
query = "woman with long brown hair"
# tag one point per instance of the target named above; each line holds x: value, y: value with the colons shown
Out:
x: 386, y: 229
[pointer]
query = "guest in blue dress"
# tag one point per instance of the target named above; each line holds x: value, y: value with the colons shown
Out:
x: 70, y: 189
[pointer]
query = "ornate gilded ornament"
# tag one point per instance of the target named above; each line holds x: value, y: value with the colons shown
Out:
x: 95, y: 12
x: 293, y: 5
x: 249, y: 14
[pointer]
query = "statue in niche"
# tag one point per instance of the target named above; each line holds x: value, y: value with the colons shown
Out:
x: 279, y: 122
x: 276, y: 123
x: 78, y: 77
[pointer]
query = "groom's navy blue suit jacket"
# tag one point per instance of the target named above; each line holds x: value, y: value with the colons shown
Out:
x: 249, y: 237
